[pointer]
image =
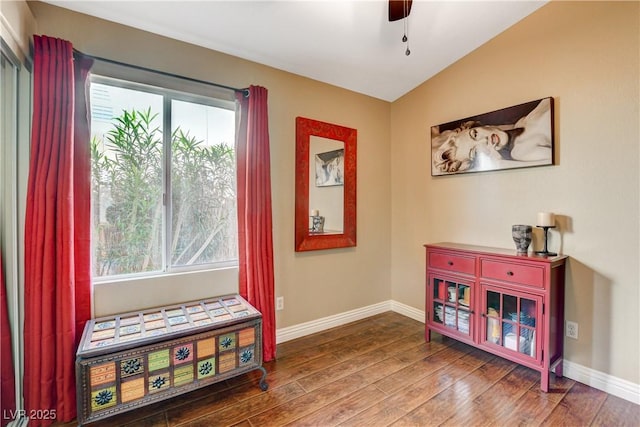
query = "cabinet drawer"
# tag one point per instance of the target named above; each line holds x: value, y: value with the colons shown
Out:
x: 517, y: 273
x: 457, y: 263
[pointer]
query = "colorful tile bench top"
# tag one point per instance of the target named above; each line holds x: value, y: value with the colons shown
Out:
x: 113, y: 332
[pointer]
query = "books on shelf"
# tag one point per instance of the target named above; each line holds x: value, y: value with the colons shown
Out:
x: 462, y: 322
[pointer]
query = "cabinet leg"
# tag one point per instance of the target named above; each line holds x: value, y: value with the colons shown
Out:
x: 558, y: 370
x: 544, y: 381
x: 263, y: 381
x: 427, y: 334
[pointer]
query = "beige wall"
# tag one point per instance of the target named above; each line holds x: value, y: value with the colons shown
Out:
x: 16, y: 26
x: 314, y: 284
x: 585, y: 55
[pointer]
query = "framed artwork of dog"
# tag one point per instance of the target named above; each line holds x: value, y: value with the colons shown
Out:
x: 515, y: 137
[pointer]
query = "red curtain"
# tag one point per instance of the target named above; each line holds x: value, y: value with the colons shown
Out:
x: 255, y: 245
x: 57, y: 263
x: 7, y: 381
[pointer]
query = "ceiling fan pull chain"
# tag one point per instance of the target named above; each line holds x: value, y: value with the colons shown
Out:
x: 404, y: 13
x: 405, y: 38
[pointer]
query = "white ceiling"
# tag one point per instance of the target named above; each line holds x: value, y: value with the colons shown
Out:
x: 347, y: 43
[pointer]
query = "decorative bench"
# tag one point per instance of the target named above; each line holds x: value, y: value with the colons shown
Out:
x: 131, y: 360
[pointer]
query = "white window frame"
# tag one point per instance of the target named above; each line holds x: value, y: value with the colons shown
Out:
x: 187, y: 94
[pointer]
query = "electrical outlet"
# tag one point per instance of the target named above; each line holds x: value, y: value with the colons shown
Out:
x: 280, y: 303
x: 571, y: 330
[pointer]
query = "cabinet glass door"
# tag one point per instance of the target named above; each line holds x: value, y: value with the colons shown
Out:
x: 451, y: 304
x: 511, y: 320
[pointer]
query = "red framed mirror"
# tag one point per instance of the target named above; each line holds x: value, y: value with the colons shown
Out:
x: 325, y: 185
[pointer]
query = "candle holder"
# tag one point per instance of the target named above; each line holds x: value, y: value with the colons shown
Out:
x: 545, y: 252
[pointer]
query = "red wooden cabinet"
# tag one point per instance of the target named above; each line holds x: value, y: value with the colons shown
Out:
x: 508, y: 304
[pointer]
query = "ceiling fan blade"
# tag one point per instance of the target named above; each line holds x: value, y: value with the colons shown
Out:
x: 399, y: 9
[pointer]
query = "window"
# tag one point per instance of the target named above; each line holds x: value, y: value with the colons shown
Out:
x: 163, y: 180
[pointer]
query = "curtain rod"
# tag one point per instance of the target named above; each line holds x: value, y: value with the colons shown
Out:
x: 245, y: 91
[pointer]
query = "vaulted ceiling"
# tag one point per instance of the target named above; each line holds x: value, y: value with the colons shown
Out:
x: 347, y: 43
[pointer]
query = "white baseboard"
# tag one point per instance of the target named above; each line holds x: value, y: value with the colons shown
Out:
x: 307, y: 328
x: 407, y: 310
x: 613, y: 385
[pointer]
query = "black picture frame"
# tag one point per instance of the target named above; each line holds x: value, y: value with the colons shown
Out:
x: 520, y: 136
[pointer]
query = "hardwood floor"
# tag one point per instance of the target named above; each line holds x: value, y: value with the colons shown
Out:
x: 380, y: 372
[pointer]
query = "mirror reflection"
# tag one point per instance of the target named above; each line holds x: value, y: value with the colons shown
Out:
x: 326, y: 185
